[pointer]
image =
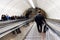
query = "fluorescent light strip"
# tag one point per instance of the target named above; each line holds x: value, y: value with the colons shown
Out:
x: 31, y: 2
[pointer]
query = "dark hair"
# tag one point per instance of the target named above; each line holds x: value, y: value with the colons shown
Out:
x: 39, y: 12
x: 28, y: 13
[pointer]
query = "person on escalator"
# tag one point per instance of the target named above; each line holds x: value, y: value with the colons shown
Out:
x: 8, y: 17
x: 3, y: 17
x: 27, y: 16
x: 28, y: 13
x: 40, y: 20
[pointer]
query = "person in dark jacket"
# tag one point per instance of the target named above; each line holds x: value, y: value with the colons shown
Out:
x: 28, y: 13
x: 40, y: 20
x: 8, y: 17
x: 3, y: 17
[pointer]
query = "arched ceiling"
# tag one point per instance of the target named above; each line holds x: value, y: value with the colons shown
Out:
x: 13, y: 6
x: 17, y: 7
x: 51, y: 7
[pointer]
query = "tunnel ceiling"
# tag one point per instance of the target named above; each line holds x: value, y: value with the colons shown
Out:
x: 17, y: 7
x: 13, y: 6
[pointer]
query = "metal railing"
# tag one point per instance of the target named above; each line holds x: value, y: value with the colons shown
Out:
x: 52, y: 34
x: 5, y: 32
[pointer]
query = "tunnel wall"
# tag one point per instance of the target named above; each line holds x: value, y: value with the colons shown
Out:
x: 13, y: 7
x: 52, y: 8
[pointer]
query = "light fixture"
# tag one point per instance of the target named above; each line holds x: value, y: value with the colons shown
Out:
x: 31, y: 2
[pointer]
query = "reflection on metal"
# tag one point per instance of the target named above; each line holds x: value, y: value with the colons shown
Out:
x: 52, y: 33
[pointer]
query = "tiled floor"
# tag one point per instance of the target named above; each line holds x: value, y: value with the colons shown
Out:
x: 35, y: 35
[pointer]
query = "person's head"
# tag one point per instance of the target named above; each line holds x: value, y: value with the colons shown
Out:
x: 3, y: 15
x: 38, y: 11
x: 30, y: 11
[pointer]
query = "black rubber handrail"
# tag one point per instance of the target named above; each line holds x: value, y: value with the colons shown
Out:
x: 27, y: 21
x: 53, y: 30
